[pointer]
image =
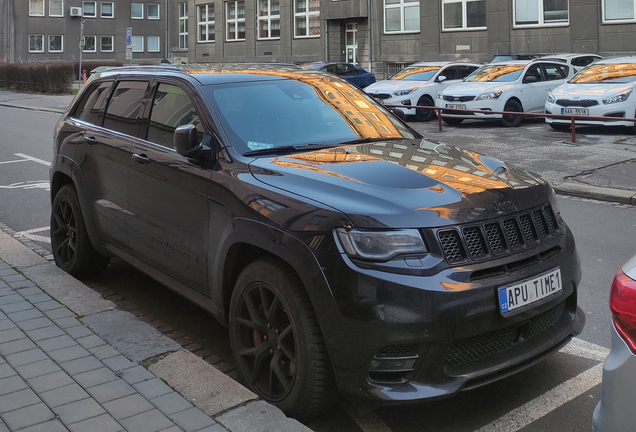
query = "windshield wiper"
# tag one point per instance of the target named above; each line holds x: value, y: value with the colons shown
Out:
x: 288, y: 149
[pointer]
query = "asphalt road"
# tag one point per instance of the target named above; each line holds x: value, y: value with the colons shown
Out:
x: 556, y: 395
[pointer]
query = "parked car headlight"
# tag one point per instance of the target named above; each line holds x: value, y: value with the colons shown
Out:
x: 551, y: 98
x: 618, y: 98
x: 489, y: 95
x: 405, y: 92
x: 380, y: 245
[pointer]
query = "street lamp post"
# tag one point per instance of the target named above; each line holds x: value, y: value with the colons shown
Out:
x: 81, y: 48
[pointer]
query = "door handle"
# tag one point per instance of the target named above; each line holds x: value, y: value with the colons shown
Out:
x: 141, y: 158
x: 89, y: 140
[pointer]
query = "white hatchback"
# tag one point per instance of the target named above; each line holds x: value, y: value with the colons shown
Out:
x: 418, y: 85
x: 512, y: 86
x: 603, y: 89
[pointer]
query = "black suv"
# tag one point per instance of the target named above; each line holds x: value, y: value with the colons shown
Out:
x: 343, y: 250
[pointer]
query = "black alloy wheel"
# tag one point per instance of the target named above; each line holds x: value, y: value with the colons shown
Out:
x: 71, y: 246
x: 425, y: 114
x: 511, y: 120
x: 277, y: 343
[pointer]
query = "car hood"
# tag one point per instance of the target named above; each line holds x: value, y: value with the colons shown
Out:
x: 590, y: 90
x: 476, y: 88
x: 404, y: 183
x: 390, y: 86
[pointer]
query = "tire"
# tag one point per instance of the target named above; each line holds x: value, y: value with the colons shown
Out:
x: 452, y: 121
x: 559, y: 126
x: 511, y: 120
x: 424, y: 114
x: 72, y: 249
x: 276, y: 341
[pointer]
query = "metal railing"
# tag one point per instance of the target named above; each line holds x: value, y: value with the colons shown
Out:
x: 571, y: 117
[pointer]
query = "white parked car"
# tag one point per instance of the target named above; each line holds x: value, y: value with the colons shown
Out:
x: 577, y: 60
x: 418, y: 85
x: 603, y: 89
x: 512, y: 86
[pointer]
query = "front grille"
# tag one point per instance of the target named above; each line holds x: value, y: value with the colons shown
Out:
x: 458, y: 98
x: 397, y: 351
x: 487, y: 344
x: 380, y: 95
x: 478, y: 242
x: 576, y: 103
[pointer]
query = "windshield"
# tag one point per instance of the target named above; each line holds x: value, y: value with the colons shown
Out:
x: 294, y: 112
x: 416, y: 73
x: 311, y: 66
x: 614, y: 73
x: 500, y: 73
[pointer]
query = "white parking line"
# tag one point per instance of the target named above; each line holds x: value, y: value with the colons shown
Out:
x: 28, y: 234
x: 529, y: 412
x: 36, y: 184
x: 34, y: 159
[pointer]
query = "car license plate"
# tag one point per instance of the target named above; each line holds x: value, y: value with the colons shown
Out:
x: 530, y: 291
x: 456, y: 106
x: 575, y: 111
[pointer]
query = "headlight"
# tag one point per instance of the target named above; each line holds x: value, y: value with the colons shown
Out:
x: 405, y: 92
x: 380, y: 245
x: 489, y: 95
x: 617, y: 98
x: 551, y: 98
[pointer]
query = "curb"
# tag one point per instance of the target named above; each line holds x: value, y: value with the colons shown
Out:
x: 226, y: 401
x: 594, y: 192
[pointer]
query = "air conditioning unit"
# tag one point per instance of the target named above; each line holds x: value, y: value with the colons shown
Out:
x: 76, y: 12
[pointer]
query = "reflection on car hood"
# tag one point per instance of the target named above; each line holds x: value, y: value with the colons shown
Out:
x: 590, y: 90
x: 476, y: 88
x: 404, y: 183
x: 390, y: 86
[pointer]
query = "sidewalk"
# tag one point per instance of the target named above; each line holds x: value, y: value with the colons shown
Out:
x: 72, y: 361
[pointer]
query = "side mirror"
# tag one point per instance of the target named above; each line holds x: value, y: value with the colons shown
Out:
x: 441, y: 78
x: 530, y: 79
x: 186, y: 142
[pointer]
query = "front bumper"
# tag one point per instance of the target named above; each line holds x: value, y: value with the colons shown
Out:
x: 617, y: 110
x: 400, y: 337
x: 405, y: 101
x: 483, y: 109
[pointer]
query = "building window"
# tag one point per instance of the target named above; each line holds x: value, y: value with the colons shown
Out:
x: 268, y: 19
x: 401, y: 16
x: 183, y: 26
x: 106, y: 43
x: 307, y: 18
x: 153, y: 11
x: 56, y: 8
x: 153, y: 43
x: 89, y: 9
x: 138, y: 43
x: 36, y: 8
x: 137, y: 10
x: 55, y: 43
x: 465, y: 14
x: 89, y: 43
x: 36, y: 43
x: 205, y: 23
x: 540, y: 12
x: 235, y: 21
x: 108, y: 10
x: 619, y: 10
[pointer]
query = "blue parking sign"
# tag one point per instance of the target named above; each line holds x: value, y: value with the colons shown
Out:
x: 128, y: 35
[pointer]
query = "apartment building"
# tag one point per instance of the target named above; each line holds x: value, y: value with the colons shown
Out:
x: 381, y: 35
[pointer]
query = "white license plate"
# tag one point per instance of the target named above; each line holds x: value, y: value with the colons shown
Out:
x: 530, y: 291
x: 456, y: 106
x: 575, y: 111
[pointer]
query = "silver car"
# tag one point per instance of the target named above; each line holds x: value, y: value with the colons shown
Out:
x: 615, y: 411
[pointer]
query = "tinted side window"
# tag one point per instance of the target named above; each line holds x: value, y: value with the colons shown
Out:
x: 122, y: 114
x: 91, y: 108
x: 555, y: 72
x: 535, y: 71
x: 172, y: 108
x: 451, y: 73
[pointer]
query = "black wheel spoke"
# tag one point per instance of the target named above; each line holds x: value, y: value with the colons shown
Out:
x: 276, y: 372
x: 261, y: 355
x: 256, y: 316
x: 285, y: 339
x: 251, y: 324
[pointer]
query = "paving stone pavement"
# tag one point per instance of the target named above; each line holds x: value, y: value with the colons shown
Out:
x: 57, y: 375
